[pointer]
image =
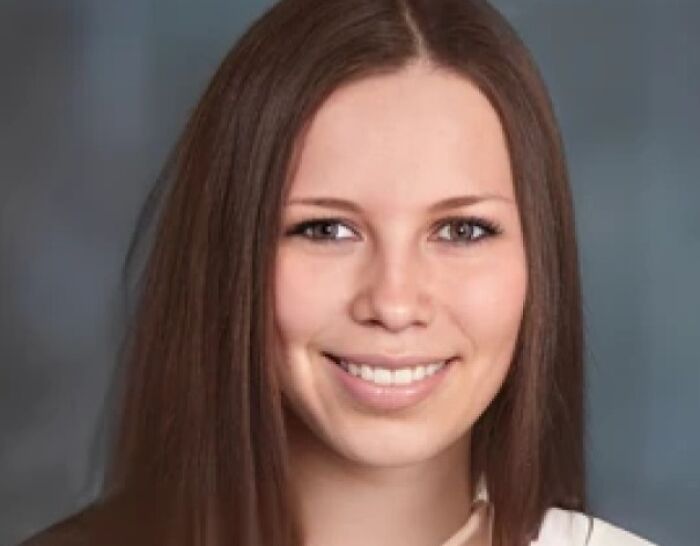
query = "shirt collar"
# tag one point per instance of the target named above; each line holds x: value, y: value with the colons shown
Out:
x: 477, y: 530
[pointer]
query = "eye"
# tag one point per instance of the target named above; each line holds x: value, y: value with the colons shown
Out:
x: 322, y: 230
x: 466, y: 230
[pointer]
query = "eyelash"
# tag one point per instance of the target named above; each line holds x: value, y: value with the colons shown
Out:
x: 489, y: 228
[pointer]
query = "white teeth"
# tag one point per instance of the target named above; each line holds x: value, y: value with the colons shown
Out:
x: 383, y: 376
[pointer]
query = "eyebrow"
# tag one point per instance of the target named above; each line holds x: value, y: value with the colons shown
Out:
x: 445, y: 204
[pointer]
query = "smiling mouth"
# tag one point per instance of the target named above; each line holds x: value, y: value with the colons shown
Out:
x: 389, y: 362
x: 389, y: 376
x: 386, y: 390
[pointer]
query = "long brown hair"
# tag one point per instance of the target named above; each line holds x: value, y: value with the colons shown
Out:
x: 199, y: 454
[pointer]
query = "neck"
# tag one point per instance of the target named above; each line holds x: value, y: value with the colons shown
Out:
x: 347, y: 504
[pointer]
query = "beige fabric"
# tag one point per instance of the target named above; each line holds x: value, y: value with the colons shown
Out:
x: 559, y: 528
x: 477, y: 529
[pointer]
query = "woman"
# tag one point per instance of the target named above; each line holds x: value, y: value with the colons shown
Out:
x: 360, y: 319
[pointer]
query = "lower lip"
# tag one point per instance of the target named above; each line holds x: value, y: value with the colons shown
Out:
x: 388, y: 397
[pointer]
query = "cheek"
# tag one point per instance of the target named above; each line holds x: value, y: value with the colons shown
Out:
x: 305, y: 298
x: 487, y: 302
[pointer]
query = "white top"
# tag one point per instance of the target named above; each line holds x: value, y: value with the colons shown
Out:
x: 559, y: 528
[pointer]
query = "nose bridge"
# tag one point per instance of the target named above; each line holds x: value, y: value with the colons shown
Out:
x: 396, y: 268
x: 395, y: 290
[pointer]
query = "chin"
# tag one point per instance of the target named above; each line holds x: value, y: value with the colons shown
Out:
x: 387, y: 446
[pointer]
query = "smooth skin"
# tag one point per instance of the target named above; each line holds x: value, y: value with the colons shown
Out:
x: 396, y: 276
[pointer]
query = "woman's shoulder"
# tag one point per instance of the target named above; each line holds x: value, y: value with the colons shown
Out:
x: 570, y: 528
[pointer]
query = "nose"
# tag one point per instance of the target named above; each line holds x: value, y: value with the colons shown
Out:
x: 394, y: 293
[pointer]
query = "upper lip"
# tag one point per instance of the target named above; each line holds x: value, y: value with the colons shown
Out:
x: 390, y: 362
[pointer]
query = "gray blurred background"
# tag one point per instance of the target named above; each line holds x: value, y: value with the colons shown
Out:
x: 93, y: 94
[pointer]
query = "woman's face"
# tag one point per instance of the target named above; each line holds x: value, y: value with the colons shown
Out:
x: 420, y: 259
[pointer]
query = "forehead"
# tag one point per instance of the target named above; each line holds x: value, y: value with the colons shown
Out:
x: 400, y: 139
